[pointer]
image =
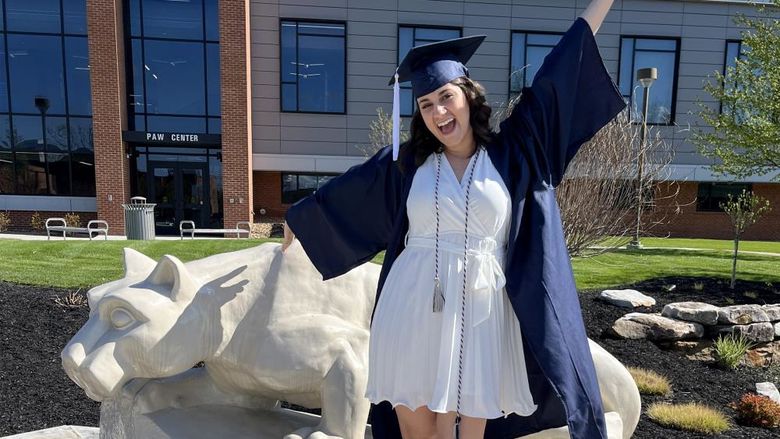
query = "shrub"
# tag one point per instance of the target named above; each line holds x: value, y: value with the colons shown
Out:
x: 698, y: 286
x: 72, y: 299
x: 36, y: 222
x: 73, y: 220
x: 757, y: 411
x: 730, y: 349
x: 5, y: 221
x: 649, y: 382
x: 691, y: 416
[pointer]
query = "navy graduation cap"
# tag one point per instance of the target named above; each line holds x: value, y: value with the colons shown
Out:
x: 429, y: 67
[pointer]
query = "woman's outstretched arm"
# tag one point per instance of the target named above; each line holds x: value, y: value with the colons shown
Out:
x: 595, y: 13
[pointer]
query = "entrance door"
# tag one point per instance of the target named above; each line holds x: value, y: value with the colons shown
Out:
x: 180, y: 190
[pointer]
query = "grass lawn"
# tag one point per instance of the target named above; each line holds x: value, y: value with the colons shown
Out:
x: 85, y: 264
x: 709, y: 244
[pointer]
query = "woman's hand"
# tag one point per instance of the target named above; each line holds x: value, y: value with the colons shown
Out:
x: 595, y: 13
x: 288, y: 237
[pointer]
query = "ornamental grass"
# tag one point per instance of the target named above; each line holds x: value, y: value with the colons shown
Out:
x: 650, y: 382
x: 689, y: 417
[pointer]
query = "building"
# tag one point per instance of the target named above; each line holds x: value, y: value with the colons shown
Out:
x: 222, y: 111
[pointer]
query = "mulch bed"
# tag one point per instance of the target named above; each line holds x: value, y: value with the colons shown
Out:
x: 35, y: 393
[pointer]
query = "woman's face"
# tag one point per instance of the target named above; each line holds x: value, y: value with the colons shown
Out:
x: 446, y: 115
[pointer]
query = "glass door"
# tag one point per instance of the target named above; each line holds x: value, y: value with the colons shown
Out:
x: 180, y: 190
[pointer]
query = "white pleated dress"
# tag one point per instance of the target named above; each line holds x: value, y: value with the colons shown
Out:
x: 414, y: 352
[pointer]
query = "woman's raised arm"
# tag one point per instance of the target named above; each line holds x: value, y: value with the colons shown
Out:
x: 595, y: 13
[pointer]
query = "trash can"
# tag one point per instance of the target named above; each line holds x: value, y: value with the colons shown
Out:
x: 139, y: 219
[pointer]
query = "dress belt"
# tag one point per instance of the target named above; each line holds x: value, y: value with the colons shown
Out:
x: 489, y: 279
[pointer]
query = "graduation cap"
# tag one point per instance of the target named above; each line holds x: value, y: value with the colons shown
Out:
x: 428, y: 67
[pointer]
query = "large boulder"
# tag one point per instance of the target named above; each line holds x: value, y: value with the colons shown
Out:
x: 742, y: 315
x: 698, y: 312
x: 655, y: 327
x: 772, y: 311
x: 626, y: 298
x: 763, y: 332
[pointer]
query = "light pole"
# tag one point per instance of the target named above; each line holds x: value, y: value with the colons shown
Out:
x: 645, y: 76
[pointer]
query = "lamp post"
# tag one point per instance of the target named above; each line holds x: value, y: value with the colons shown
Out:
x: 42, y: 104
x: 646, y: 76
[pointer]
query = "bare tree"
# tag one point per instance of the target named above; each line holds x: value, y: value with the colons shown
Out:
x: 380, y: 133
x: 744, y: 211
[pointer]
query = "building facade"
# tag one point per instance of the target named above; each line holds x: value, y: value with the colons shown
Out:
x: 231, y: 110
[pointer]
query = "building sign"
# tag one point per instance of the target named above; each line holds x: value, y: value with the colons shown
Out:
x: 154, y: 137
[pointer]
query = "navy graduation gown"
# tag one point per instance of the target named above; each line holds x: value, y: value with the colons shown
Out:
x: 362, y: 212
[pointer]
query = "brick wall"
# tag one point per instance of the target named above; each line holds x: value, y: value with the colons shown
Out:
x: 106, y: 59
x: 715, y: 225
x: 267, y: 187
x: 236, y: 110
x: 20, y: 219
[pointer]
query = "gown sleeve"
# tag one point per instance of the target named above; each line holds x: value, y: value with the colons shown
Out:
x: 349, y: 219
x: 570, y: 99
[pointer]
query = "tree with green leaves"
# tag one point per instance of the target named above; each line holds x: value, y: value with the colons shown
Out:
x: 744, y: 211
x: 745, y: 135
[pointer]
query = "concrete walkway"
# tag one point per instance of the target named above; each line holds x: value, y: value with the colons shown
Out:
x: 29, y: 237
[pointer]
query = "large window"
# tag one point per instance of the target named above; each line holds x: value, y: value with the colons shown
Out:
x: 661, y: 53
x: 174, y: 64
x: 313, y: 73
x: 710, y: 195
x: 734, y: 51
x: 296, y: 186
x: 528, y: 53
x: 411, y: 36
x: 45, y: 104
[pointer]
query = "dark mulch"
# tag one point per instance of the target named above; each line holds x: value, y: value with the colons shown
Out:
x: 35, y: 393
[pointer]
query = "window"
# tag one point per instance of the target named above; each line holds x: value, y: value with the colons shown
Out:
x: 661, y: 53
x: 174, y: 64
x: 411, y: 36
x: 43, y: 54
x: 313, y: 73
x: 734, y: 51
x: 296, y: 186
x: 710, y: 195
x: 528, y: 52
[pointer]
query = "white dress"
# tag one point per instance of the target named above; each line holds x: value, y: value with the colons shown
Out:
x: 413, y: 352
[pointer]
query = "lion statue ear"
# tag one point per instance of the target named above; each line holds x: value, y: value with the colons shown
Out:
x: 171, y: 274
x: 136, y: 263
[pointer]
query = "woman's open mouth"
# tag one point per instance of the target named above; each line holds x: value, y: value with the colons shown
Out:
x: 447, y: 126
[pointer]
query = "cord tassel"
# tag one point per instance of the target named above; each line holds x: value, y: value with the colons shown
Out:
x: 457, y: 426
x: 396, y: 116
x: 438, y: 296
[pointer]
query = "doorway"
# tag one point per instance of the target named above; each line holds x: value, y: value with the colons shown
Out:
x: 180, y: 190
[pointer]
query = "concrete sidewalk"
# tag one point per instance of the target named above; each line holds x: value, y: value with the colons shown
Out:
x: 28, y: 237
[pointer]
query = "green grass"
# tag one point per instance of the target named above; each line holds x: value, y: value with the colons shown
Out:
x: 71, y: 264
x: 730, y: 349
x: 90, y: 263
x: 707, y: 244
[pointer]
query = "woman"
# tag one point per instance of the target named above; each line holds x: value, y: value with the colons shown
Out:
x: 470, y: 325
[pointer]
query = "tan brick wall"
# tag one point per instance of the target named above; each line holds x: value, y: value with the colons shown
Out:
x: 106, y: 59
x: 715, y: 225
x: 236, y: 110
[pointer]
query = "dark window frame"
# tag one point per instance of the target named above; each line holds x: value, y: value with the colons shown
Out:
x: 288, y: 201
x: 61, y: 35
x: 297, y: 21
x: 705, y: 204
x: 512, y: 34
x: 673, y: 108
x: 414, y: 28
x: 130, y: 86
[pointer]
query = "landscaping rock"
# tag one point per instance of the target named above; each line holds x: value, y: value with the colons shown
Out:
x: 763, y: 354
x: 777, y: 330
x: 763, y: 332
x: 698, y: 312
x: 626, y: 298
x: 695, y: 350
x: 772, y: 311
x: 655, y: 327
x: 768, y: 389
x: 741, y: 315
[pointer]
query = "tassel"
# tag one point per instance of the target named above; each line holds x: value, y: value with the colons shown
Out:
x: 457, y: 426
x: 396, y: 116
x: 438, y: 296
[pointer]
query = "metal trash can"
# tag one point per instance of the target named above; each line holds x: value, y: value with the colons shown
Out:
x: 139, y: 219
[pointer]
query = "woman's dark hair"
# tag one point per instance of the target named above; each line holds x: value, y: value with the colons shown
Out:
x: 422, y: 142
